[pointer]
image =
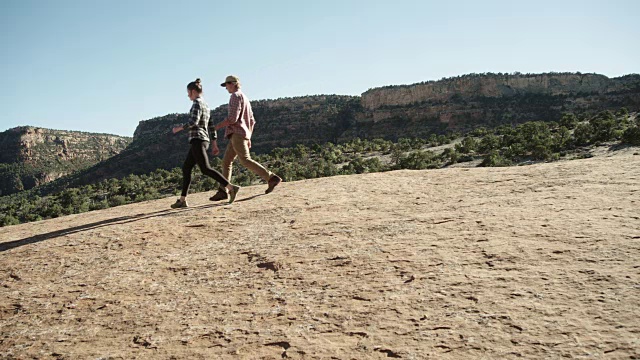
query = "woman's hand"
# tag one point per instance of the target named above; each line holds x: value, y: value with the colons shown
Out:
x: 177, y: 129
x: 214, y: 148
x: 221, y: 125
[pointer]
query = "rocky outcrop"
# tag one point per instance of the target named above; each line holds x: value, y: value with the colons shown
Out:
x: 28, y: 144
x: 469, y: 101
x: 32, y: 156
x: 494, y: 86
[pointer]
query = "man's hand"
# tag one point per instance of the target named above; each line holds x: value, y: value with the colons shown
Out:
x: 214, y: 148
x: 249, y: 144
x: 177, y: 129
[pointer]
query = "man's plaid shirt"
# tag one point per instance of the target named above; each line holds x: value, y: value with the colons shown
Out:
x: 198, y: 124
x: 240, y: 116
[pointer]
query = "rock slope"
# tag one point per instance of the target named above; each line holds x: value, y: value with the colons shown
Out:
x: 521, y: 262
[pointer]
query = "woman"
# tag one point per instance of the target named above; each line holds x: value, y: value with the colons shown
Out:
x: 198, y: 127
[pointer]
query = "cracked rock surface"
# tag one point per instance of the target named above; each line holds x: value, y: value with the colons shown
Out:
x: 533, y: 262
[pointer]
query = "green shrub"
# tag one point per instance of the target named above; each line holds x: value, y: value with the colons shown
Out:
x: 494, y: 159
x: 99, y: 205
x: 515, y: 150
x: 603, y: 126
x: 404, y: 144
x: 488, y: 143
x: 8, y: 220
x: 397, y: 154
x: 583, y: 134
x: 631, y: 136
x: 117, y: 200
x: 450, y: 156
x: 361, y: 166
x: 570, y: 121
x: 479, y: 132
x: 541, y: 152
x: 418, y: 160
x: 562, y: 139
x: 468, y: 145
x: 623, y: 112
x: 433, y: 140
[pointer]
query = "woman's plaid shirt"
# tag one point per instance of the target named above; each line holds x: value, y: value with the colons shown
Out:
x: 198, y: 124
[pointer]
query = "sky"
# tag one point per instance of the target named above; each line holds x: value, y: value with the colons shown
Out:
x: 102, y: 66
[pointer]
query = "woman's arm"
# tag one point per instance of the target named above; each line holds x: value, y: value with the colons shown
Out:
x: 194, y: 116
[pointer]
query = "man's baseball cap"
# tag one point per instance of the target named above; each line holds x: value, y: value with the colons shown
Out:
x: 230, y: 79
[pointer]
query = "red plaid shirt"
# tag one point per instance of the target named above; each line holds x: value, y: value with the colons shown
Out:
x: 240, y: 116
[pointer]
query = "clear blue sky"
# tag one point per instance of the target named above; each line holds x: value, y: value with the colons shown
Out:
x: 102, y: 66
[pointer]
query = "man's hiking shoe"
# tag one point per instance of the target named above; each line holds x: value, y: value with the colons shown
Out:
x: 274, y: 181
x: 179, y: 204
x: 219, y: 196
x: 233, y: 193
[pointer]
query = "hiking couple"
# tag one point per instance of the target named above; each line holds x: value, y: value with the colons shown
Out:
x: 238, y: 130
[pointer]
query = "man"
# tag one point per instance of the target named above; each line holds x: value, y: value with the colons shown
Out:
x: 239, y: 128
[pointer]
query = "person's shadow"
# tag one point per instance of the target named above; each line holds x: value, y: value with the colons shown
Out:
x: 108, y: 222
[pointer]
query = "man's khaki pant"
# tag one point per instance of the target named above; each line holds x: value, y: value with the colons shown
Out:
x: 238, y: 147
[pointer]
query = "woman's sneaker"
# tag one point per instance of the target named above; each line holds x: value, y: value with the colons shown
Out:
x: 179, y: 204
x: 233, y: 193
x: 219, y: 196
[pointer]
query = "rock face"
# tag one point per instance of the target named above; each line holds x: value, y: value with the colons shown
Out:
x: 31, y: 156
x: 487, y: 100
x: 491, y: 86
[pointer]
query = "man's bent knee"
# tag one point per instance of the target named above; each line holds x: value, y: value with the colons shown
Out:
x: 245, y: 160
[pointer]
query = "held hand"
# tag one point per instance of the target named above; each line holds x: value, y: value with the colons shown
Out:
x: 220, y: 125
x: 214, y: 149
x: 249, y: 144
x: 177, y: 129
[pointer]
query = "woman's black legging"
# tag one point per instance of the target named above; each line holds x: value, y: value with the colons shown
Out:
x: 198, y: 155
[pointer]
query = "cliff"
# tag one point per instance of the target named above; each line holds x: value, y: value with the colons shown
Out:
x: 494, y: 86
x: 31, y: 156
x: 475, y: 100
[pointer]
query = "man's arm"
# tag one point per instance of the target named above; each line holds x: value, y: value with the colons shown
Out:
x: 213, y: 133
x: 235, y: 109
